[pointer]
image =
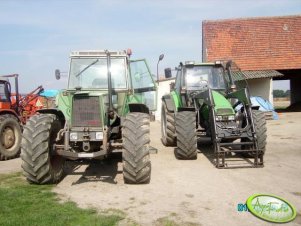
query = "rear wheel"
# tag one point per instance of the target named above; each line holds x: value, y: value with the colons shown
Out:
x: 39, y: 162
x: 186, y: 135
x: 10, y: 137
x: 168, y: 129
x: 136, y: 157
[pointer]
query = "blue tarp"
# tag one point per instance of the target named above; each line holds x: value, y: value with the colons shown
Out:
x: 49, y: 93
x: 263, y: 104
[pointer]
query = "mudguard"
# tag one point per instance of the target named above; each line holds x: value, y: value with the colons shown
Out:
x: 170, y: 105
x: 54, y: 111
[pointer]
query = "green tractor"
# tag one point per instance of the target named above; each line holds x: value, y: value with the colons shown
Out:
x: 205, y: 102
x: 106, y: 107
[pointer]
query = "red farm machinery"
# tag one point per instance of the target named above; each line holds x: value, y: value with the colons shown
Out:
x: 15, y: 109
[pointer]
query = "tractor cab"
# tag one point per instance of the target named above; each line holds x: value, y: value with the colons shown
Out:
x: 5, y: 93
x: 122, y: 84
x: 204, y: 76
x: 196, y: 79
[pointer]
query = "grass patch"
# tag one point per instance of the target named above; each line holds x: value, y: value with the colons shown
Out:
x: 26, y: 204
x: 173, y: 220
x: 165, y: 221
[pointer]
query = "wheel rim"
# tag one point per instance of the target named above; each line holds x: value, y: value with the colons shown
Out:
x: 8, y: 137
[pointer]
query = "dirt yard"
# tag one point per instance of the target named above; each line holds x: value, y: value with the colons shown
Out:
x: 281, y: 103
x: 189, y: 192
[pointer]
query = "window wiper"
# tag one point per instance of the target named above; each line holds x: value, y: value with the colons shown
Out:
x: 79, y: 73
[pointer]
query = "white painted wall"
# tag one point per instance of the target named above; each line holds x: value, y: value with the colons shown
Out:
x: 163, y: 88
x: 261, y: 87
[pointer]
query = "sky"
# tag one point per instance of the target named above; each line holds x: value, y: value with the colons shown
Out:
x: 37, y: 36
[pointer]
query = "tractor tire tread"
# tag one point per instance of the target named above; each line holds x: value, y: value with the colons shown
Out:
x: 35, y: 153
x: 170, y: 138
x: 136, y: 157
x: 186, y: 135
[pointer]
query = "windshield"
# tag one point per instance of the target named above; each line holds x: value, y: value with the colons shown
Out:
x: 3, y: 94
x: 92, y: 73
x: 204, y: 76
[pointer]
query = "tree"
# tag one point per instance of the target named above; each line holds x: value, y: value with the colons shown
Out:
x: 281, y: 93
x: 278, y: 93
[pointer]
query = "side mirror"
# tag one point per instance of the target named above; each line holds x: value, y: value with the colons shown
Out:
x: 57, y: 74
x: 172, y: 86
x: 167, y: 72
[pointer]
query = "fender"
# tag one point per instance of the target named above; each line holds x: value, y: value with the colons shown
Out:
x: 11, y: 112
x: 54, y: 111
x: 170, y: 105
x: 137, y: 107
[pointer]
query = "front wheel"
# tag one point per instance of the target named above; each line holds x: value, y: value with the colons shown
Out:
x: 136, y: 157
x: 261, y: 133
x: 10, y: 137
x: 186, y: 135
x: 39, y: 162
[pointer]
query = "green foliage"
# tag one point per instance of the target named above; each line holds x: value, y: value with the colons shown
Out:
x: 25, y: 204
x: 281, y: 93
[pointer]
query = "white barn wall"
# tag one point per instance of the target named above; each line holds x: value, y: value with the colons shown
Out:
x: 163, y: 88
x: 261, y: 87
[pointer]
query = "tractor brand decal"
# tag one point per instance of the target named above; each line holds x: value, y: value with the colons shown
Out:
x: 271, y: 208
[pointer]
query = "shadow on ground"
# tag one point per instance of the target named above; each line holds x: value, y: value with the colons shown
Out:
x: 97, y: 170
x: 231, y: 160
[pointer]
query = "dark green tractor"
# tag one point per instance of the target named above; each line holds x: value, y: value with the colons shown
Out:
x: 106, y: 107
x: 205, y: 102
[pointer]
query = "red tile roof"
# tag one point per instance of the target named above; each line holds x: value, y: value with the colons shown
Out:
x: 261, y: 43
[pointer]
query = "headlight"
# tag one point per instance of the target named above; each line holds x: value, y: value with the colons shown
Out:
x: 225, y: 118
x: 231, y: 117
x: 99, y: 135
x: 218, y: 118
x: 73, y: 136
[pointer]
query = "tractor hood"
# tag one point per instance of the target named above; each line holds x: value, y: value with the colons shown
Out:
x: 222, y: 106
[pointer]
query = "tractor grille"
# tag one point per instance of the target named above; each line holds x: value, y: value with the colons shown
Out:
x: 224, y: 111
x: 86, y: 111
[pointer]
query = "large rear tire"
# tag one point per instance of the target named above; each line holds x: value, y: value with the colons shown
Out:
x: 168, y: 128
x: 186, y: 135
x: 39, y: 162
x: 136, y: 157
x: 260, y: 128
x: 10, y: 137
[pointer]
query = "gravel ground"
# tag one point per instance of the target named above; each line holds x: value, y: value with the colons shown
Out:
x: 189, y: 192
